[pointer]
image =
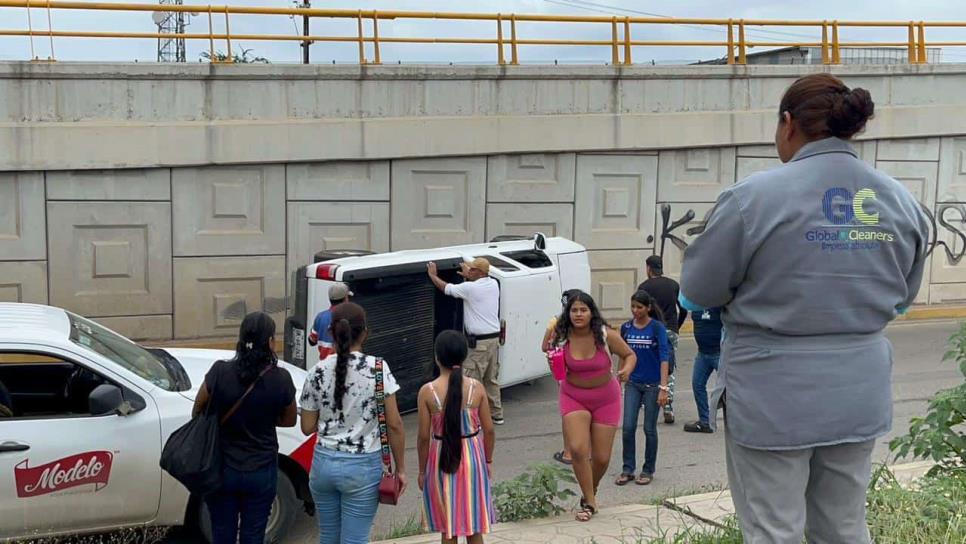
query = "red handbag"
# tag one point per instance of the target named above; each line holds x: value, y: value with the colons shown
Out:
x: 390, y: 487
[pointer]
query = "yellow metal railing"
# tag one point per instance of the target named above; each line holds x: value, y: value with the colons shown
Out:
x: 621, y: 41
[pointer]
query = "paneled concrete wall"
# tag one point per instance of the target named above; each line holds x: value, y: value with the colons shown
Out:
x: 186, y: 252
x: 171, y: 209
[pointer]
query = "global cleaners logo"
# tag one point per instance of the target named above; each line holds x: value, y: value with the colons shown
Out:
x: 89, y: 468
x: 853, y: 222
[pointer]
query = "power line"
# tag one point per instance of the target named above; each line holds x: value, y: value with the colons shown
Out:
x: 583, y: 4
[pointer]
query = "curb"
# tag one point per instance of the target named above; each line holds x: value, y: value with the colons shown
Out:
x: 707, y: 508
x: 916, y: 313
x: 919, y: 313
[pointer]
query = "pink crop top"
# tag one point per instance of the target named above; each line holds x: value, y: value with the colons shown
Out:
x: 598, y: 365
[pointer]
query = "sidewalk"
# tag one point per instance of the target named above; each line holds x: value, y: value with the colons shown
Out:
x: 631, y: 521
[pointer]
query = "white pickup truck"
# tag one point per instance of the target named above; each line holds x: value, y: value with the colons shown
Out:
x: 88, y: 412
x: 406, y: 311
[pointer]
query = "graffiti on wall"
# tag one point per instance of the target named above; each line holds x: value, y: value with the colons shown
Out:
x: 952, y: 224
x: 950, y: 216
x: 668, y: 227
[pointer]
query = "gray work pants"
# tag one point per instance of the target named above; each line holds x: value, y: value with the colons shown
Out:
x: 820, y: 491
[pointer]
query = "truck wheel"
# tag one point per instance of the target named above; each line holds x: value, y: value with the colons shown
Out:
x: 280, y: 519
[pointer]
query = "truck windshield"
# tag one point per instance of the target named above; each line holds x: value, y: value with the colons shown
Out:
x: 123, y: 352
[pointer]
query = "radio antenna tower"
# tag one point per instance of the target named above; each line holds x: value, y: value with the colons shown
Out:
x: 171, y: 22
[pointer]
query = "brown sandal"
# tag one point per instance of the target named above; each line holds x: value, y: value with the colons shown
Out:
x: 586, y: 513
x: 624, y: 479
x: 644, y: 479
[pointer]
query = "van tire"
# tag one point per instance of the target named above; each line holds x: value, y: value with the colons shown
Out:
x: 279, y: 523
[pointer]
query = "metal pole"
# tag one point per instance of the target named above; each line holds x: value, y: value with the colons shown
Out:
x: 921, y: 46
x: 731, y: 42
x: 912, y: 43
x: 614, y: 59
x: 500, y: 59
x: 305, y: 32
x: 836, y: 50
x: 826, y: 59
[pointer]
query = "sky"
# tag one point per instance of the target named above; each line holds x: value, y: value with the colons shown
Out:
x: 144, y: 50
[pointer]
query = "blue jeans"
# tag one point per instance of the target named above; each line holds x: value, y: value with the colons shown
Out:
x: 635, y: 395
x: 704, y: 365
x: 345, y: 487
x: 245, y: 495
x: 672, y: 360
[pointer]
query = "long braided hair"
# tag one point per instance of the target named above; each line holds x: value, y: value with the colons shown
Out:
x: 348, y: 325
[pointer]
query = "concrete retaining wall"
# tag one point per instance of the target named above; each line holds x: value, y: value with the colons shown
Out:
x: 169, y: 200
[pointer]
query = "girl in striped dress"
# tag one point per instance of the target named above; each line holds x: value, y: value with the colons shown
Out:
x: 456, y: 440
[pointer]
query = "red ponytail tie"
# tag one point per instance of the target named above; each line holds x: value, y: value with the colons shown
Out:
x: 455, y: 367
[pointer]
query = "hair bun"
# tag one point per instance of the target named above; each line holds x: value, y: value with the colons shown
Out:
x: 849, y: 112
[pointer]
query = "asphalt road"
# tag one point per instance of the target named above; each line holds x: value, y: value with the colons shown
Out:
x: 686, y: 462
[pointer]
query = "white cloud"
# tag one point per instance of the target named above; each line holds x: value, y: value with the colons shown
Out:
x: 85, y: 49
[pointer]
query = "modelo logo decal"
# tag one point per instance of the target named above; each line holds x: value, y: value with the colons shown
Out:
x: 92, y: 467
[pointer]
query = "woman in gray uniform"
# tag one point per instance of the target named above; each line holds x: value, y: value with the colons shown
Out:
x: 810, y: 261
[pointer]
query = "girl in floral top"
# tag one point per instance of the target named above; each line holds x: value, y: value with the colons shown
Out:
x: 338, y: 402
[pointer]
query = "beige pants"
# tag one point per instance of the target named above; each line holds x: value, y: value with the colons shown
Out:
x: 483, y: 363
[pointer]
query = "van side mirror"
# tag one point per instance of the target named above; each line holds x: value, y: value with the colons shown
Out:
x: 540, y: 241
x: 107, y: 399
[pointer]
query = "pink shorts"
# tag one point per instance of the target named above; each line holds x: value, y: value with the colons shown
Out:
x: 603, y: 403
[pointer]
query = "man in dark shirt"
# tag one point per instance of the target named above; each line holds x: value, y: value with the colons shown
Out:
x: 707, y: 333
x: 665, y: 292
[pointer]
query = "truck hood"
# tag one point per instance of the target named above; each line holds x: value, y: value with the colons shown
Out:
x: 197, y: 362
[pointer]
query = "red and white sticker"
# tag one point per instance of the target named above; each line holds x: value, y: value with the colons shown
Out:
x: 92, y: 467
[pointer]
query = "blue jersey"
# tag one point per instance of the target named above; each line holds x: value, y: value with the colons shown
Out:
x: 651, y: 347
x: 321, y: 326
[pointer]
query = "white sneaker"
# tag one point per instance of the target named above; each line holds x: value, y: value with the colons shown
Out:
x: 498, y: 421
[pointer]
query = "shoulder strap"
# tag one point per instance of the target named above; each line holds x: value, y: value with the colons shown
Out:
x: 381, y: 414
x: 606, y: 347
x: 439, y: 405
x: 469, y: 397
x: 238, y: 402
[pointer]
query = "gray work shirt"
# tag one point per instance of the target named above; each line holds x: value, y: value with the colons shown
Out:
x: 811, y: 261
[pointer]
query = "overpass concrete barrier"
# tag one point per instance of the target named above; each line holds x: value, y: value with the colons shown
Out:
x: 160, y: 199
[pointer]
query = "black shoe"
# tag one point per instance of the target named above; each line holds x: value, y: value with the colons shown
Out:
x: 498, y: 421
x: 698, y: 427
x: 668, y: 417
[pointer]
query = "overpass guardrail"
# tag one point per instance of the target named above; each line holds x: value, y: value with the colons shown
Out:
x: 620, y: 34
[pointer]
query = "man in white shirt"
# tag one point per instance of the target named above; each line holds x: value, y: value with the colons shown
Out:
x: 481, y: 322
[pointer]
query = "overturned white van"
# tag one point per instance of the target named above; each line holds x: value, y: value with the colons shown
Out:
x: 406, y: 311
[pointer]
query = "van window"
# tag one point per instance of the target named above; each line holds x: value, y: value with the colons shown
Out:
x: 531, y: 258
x: 500, y: 263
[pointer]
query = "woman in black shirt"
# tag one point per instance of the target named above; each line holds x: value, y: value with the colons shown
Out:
x: 249, y: 444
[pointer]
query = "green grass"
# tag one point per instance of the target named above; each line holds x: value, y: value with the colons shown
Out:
x: 930, y: 511
x: 411, y: 527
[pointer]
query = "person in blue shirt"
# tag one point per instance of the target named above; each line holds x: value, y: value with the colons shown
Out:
x: 647, y: 336
x: 320, y: 335
x: 707, y: 334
